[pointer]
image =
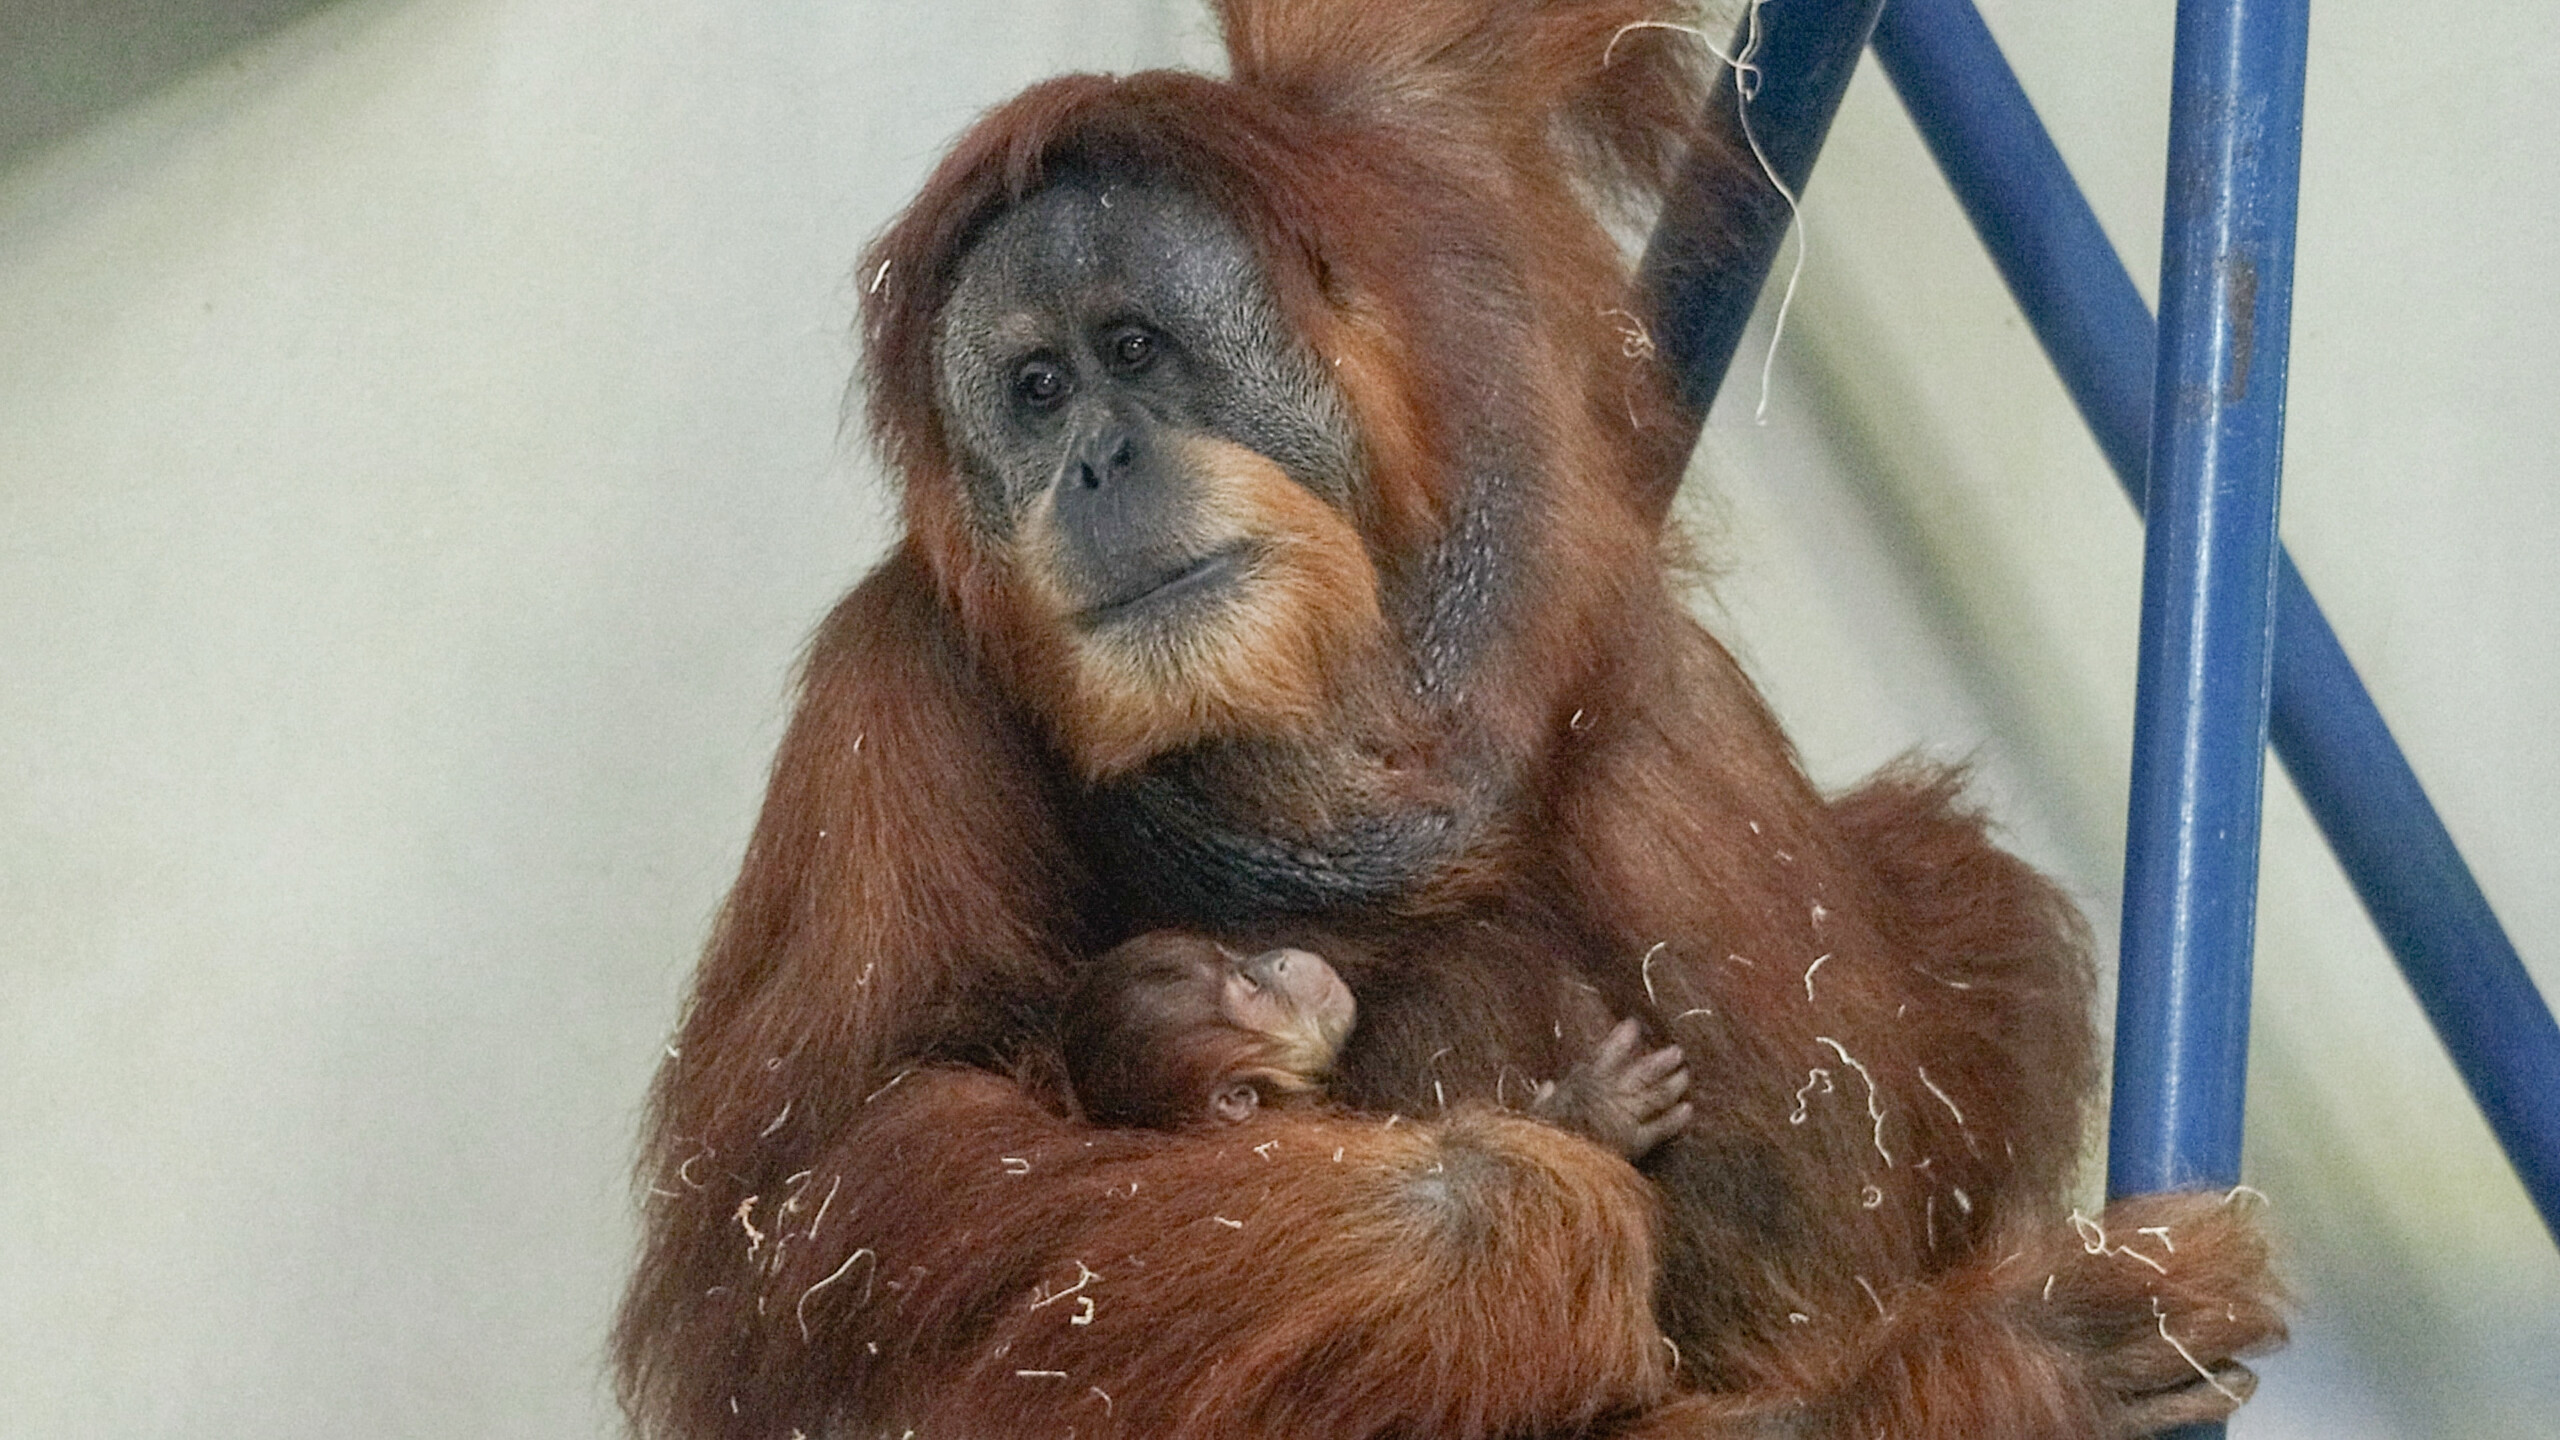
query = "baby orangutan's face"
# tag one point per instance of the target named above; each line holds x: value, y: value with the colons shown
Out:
x: 1297, y: 1002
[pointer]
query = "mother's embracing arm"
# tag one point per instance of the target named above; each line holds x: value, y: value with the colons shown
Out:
x: 852, y: 1226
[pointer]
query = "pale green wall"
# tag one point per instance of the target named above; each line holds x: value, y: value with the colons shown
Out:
x: 419, y: 463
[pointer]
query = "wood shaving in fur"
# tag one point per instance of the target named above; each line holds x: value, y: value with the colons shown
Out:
x: 1875, y: 1106
x: 822, y: 1206
x: 1943, y: 1097
x: 1816, y: 1076
x: 1635, y: 342
x: 1084, y: 1276
x: 2160, y: 1313
x: 684, y: 1172
x: 801, y: 1310
x: 2093, y: 1238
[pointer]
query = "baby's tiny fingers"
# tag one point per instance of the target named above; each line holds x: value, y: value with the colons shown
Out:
x: 1663, y: 1126
x: 1658, y: 1064
x: 1619, y: 1044
x: 1662, y: 1092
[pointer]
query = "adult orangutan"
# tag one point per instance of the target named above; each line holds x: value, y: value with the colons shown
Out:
x: 1281, y: 555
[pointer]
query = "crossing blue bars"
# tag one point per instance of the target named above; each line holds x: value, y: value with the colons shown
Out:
x: 2394, y: 849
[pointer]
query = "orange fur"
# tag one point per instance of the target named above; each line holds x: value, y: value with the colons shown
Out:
x: 1430, y: 1272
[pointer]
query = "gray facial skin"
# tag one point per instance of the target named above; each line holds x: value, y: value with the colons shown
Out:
x: 1074, y: 453
x: 1094, y: 326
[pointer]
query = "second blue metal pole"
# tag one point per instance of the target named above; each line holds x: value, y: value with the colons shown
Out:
x: 2208, y: 594
x: 2359, y: 787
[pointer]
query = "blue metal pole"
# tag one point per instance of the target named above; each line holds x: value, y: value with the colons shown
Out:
x: 2208, y: 595
x: 2394, y: 849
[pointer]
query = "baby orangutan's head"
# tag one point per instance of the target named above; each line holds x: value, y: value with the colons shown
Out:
x: 1174, y: 1029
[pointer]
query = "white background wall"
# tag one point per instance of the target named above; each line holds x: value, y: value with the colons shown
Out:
x: 420, y: 463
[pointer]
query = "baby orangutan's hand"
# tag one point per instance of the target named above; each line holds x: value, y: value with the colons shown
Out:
x: 1620, y: 1099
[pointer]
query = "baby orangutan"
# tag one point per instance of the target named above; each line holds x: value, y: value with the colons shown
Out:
x: 1174, y: 1029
